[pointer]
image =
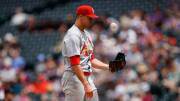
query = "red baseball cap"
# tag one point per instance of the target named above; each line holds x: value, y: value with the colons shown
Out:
x: 86, y: 10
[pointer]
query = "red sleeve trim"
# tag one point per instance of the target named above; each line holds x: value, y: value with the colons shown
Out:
x: 75, y: 60
x: 92, y: 57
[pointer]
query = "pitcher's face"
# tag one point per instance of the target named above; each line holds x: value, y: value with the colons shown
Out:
x: 86, y: 21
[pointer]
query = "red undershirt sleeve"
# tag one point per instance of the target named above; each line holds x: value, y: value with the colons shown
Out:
x: 75, y: 60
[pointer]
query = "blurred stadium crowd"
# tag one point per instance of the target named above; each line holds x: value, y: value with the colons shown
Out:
x: 150, y: 40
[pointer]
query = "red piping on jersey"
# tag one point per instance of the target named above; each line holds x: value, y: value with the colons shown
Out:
x: 89, y: 41
x: 75, y: 60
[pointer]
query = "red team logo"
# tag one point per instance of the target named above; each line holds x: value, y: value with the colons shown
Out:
x: 86, y: 51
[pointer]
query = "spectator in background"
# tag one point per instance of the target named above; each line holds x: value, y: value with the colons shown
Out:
x: 40, y: 65
x: 22, y: 97
x: 8, y: 74
x: 135, y: 56
x: 62, y: 29
x: 2, y: 92
x: 7, y: 44
x: 51, y: 69
x: 20, y: 19
x: 18, y: 62
x: 173, y: 75
x: 126, y: 32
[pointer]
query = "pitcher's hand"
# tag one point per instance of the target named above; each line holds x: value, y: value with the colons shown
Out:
x: 88, y: 91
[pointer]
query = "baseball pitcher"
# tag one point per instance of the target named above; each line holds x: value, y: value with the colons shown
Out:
x: 77, y: 49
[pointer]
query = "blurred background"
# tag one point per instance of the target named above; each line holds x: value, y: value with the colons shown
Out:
x: 147, y: 31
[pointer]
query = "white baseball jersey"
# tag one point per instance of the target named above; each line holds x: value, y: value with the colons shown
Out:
x: 77, y: 42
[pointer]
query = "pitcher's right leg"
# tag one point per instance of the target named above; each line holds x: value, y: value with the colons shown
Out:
x: 72, y: 87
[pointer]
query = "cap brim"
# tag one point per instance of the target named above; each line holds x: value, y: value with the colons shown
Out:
x: 93, y: 16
